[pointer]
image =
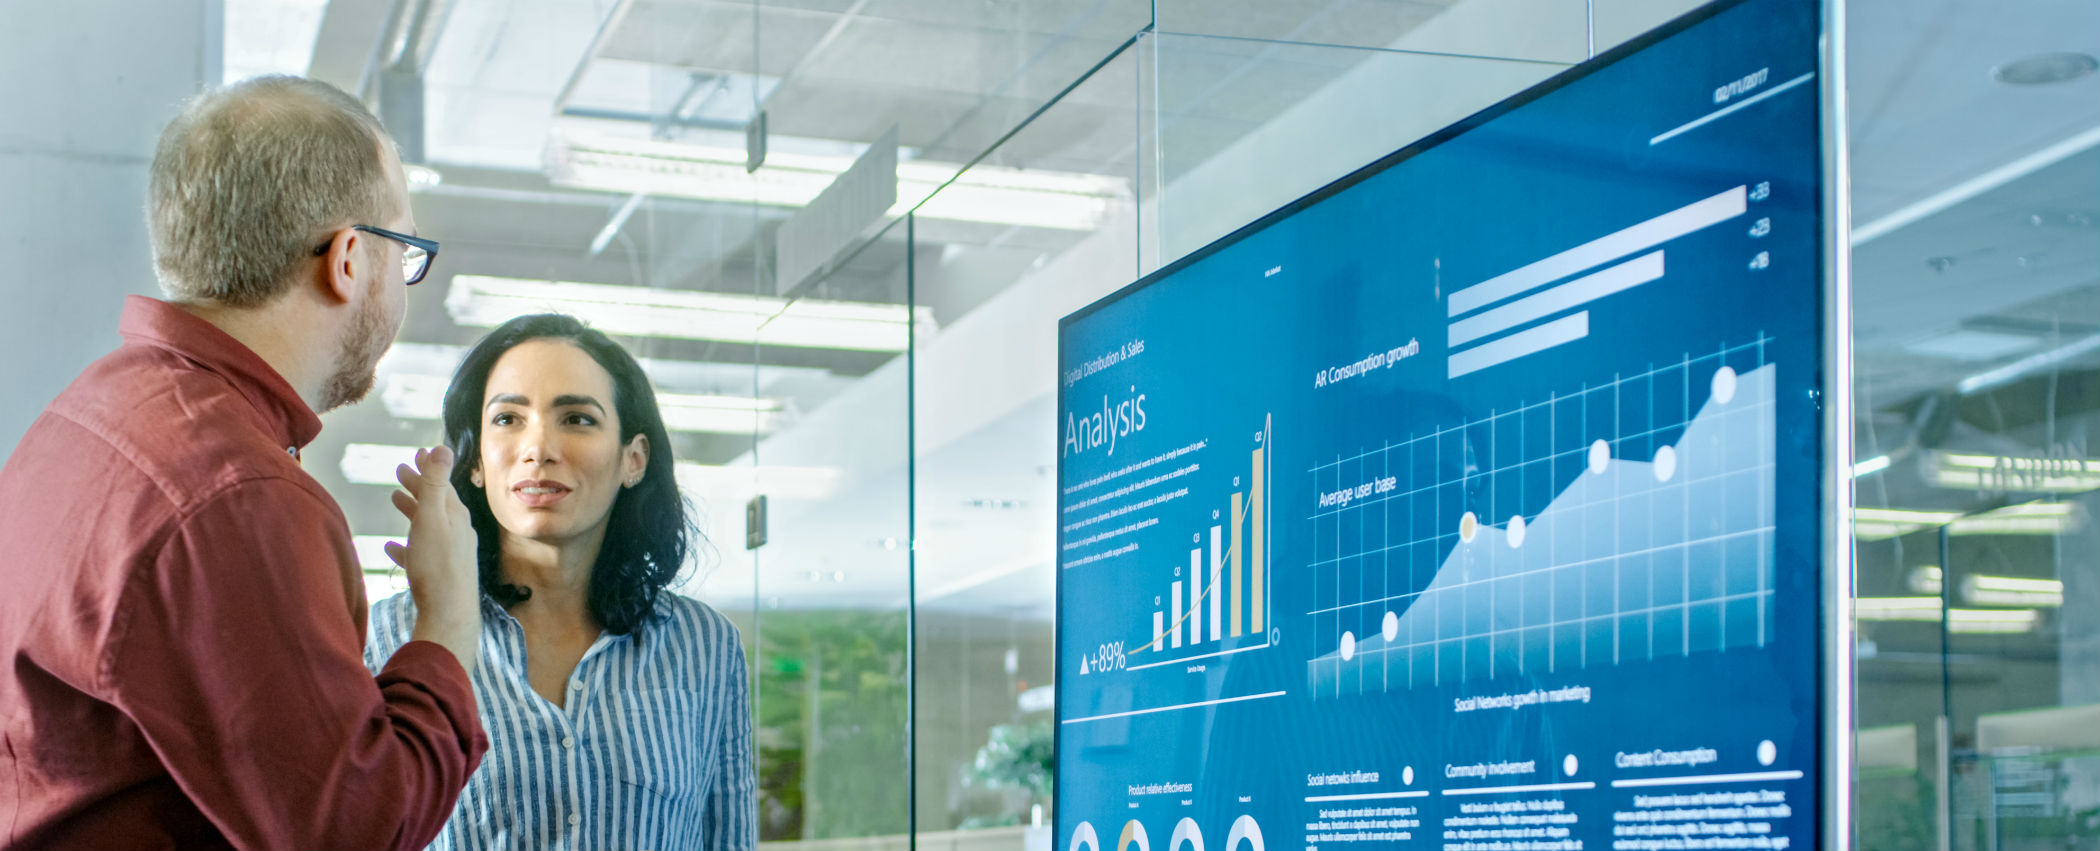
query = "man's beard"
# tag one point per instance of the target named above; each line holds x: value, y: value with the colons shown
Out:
x: 357, y: 364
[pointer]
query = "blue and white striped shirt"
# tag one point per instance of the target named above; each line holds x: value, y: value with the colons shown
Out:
x: 652, y: 750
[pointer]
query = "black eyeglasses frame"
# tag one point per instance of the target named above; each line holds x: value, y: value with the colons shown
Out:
x: 429, y: 246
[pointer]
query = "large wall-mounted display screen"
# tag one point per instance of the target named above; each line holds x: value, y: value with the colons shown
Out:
x: 1472, y: 502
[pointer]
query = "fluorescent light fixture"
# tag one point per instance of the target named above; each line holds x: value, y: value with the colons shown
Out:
x: 1870, y: 466
x: 1972, y: 345
x: 1967, y: 189
x: 2015, y: 473
x: 381, y: 585
x: 412, y: 396
x: 269, y: 37
x: 485, y: 301
x: 1897, y: 608
x: 2012, y: 591
x: 2014, y: 371
x: 422, y: 397
x: 374, y: 463
x: 717, y: 414
x: 383, y: 578
x: 2033, y: 518
x: 1876, y: 524
x: 1992, y: 621
x: 987, y: 194
x: 1986, y: 590
x: 727, y: 488
x: 1927, y: 610
x: 371, y: 551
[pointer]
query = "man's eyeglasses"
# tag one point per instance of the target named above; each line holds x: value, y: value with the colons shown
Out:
x: 415, y: 259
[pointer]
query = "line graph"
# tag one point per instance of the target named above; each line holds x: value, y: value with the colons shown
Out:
x: 1650, y: 533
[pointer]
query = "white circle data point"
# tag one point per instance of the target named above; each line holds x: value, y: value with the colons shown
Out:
x: 1407, y: 776
x: 1724, y: 385
x: 1516, y: 531
x: 1468, y: 526
x: 1390, y: 628
x: 1568, y: 766
x: 1348, y: 646
x: 1600, y: 456
x: 1767, y: 753
x: 1665, y: 463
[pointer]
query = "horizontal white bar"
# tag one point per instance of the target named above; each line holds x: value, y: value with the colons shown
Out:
x: 1537, y: 787
x: 1368, y: 796
x: 1174, y: 707
x: 1668, y: 226
x: 1575, y: 293
x: 1724, y: 111
x: 1753, y: 777
x: 1504, y: 349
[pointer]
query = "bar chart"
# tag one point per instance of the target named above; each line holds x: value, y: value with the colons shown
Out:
x: 1559, y: 299
x: 1218, y: 602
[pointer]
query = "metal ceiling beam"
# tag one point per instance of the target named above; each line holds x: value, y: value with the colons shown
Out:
x: 347, y: 45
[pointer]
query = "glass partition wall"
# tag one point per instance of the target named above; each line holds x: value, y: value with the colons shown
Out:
x: 1976, y: 274
x: 880, y: 368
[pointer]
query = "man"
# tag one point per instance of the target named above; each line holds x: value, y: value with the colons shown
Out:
x: 183, y: 616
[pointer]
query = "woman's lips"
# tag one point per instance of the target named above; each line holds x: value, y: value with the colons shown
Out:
x: 539, y: 493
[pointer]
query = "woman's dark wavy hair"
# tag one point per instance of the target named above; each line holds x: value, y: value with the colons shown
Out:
x: 649, y: 531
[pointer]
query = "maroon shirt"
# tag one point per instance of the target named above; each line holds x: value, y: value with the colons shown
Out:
x: 182, y: 624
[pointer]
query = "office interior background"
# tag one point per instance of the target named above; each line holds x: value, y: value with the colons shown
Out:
x: 888, y: 382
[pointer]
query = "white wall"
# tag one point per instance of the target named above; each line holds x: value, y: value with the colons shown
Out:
x: 85, y: 88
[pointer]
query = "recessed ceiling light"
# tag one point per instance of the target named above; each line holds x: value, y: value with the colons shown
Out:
x: 2044, y: 68
x: 2064, y: 219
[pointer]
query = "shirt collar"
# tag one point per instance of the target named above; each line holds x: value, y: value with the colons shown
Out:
x: 152, y: 322
x: 658, y: 613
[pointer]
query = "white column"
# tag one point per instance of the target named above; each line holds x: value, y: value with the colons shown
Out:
x: 85, y: 88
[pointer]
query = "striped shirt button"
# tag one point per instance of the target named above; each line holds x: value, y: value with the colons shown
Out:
x: 568, y: 741
x: 575, y: 819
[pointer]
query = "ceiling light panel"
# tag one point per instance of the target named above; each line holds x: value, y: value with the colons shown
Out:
x: 1972, y: 345
x: 483, y: 301
x: 984, y: 194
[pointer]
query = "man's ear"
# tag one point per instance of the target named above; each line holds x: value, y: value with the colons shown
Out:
x: 343, y: 261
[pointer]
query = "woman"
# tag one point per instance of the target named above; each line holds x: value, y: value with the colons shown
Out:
x: 617, y: 712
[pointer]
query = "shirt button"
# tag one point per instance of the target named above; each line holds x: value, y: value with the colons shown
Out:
x: 576, y: 685
x: 568, y: 741
x: 575, y: 819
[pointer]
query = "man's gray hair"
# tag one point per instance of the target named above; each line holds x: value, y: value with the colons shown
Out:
x: 251, y: 176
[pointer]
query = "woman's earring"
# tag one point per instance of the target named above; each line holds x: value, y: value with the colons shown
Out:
x: 634, y: 481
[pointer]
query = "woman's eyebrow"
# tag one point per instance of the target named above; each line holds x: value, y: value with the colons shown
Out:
x: 568, y: 399
x: 507, y: 399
